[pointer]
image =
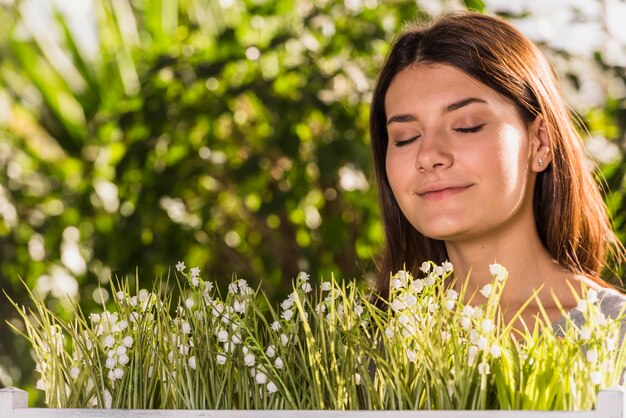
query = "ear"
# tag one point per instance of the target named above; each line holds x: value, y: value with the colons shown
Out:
x: 540, y: 154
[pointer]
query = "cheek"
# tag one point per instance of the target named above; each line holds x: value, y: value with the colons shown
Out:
x: 511, y: 159
x: 397, y: 168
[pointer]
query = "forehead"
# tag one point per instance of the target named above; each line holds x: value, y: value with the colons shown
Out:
x: 435, y: 85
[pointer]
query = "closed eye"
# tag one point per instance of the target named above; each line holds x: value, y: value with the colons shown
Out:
x: 406, y: 141
x: 471, y: 130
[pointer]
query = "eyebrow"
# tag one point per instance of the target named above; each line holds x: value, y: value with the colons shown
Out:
x: 407, y: 117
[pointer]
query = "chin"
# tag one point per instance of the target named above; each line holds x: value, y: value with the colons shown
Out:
x: 443, y: 233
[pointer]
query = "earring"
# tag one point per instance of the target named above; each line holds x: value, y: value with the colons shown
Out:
x: 540, y: 163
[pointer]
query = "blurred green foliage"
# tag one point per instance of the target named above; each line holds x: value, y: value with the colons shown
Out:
x: 231, y: 135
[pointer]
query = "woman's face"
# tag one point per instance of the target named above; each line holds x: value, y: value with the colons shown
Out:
x: 459, y: 155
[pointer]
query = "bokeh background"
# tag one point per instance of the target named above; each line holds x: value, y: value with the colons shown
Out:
x: 229, y: 134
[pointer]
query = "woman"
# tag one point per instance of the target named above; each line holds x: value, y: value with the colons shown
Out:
x: 477, y: 161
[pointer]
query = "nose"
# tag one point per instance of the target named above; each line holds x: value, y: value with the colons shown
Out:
x: 433, y: 154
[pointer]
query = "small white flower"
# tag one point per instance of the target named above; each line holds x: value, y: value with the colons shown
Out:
x: 610, y: 343
x: 357, y: 378
x: 194, y: 281
x: 486, y: 290
x: 418, y: 285
x: 185, y: 327
x: 109, y: 341
x: 180, y: 266
x: 468, y: 310
x: 74, y: 372
x: 287, y: 315
x: 403, y: 320
x: 261, y: 378
x: 271, y: 387
x: 221, y: 359
x: 404, y: 276
x: 472, y: 351
x: 306, y: 287
x: 410, y: 300
x: 240, y: 307
x: 143, y: 295
x: 396, y: 283
x: 598, y: 318
x: 466, y: 323
x: 592, y: 296
x: 94, y: 317
x: 411, y: 355
x: 483, y: 368
x: 222, y: 336
x: 236, y: 338
x: 450, y: 304
x: 127, y: 341
x: 118, y: 373
x: 447, y: 266
x: 487, y: 325
x: 232, y: 288
x: 122, y: 325
x: 452, y: 294
x: 195, y: 272
x: 275, y: 326
x: 495, y: 351
x: 389, y: 332
x: 438, y: 271
x: 192, y: 362
x: 498, y: 271
x: 596, y: 377
x: 249, y: 360
x: 189, y: 303
x: 278, y: 363
x: 358, y: 309
x: 482, y: 343
x: 123, y: 359
x: 40, y: 385
x: 284, y: 339
x: 303, y: 276
x: 430, y: 280
x: 133, y: 302
x: 120, y: 295
x: 397, y: 305
x: 582, y: 305
x: 286, y: 304
x: 425, y: 267
x: 592, y: 356
x: 478, y: 312
x: 271, y: 351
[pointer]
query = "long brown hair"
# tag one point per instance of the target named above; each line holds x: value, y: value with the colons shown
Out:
x: 570, y: 214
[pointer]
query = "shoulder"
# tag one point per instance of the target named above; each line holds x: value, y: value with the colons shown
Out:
x: 612, y: 302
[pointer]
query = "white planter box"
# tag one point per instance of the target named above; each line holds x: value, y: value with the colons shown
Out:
x: 14, y: 404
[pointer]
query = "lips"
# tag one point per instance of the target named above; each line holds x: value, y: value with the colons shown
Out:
x: 441, y: 191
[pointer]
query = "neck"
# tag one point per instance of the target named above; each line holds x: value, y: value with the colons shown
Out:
x: 531, y: 268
